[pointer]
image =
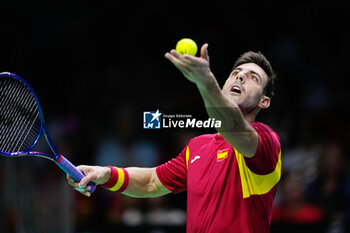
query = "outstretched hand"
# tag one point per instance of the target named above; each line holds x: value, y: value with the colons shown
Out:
x: 195, y: 69
x: 96, y: 174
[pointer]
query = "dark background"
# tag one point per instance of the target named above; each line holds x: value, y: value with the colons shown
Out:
x: 96, y: 66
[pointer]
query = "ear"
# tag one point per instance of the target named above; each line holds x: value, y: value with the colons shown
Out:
x: 264, y: 102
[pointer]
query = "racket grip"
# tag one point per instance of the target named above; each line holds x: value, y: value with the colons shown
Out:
x: 73, y: 172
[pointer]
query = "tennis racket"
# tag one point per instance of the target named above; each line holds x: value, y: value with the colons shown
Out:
x: 22, y: 123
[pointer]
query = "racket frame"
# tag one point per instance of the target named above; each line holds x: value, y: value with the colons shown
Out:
x: 42, y: 129
x: 60, y: 160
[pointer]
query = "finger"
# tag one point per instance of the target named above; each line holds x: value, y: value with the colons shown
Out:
x: 84, y: 192
x: 85, y: 180
x: 190, y: 60
x: 87, y: 194
x: 204, y: 52
x: 178, y: 63
x: 73, y: 183
x: 185, y: 59
x: 172, y: 58
x: 86, y: 170
x: 179, y: 55
x: 69, y: 179
x: 176, y: 54
x: 83, y: 168
x: 80, y: 189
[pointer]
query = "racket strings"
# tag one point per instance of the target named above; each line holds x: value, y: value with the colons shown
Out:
x: 9, y: 100
x: 6, y: 108
x: 14, y: 138
x: 19, y: 115
x: 21, y: 136
x: 21, y: 121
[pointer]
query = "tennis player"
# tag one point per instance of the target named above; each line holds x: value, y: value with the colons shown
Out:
x: 231, y: 177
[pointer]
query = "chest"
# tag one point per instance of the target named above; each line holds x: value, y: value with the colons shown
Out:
x: 211, y: 166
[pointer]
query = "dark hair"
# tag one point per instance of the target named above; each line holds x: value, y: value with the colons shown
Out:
x: 259, y: 59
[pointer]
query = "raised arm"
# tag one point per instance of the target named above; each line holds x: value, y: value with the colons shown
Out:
x: 143, y: 182
x: 235, y: 128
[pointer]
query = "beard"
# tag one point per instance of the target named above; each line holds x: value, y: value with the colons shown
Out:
x: 246, y: 105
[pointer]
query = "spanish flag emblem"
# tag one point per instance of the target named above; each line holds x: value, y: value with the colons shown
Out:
x: 222, y: 154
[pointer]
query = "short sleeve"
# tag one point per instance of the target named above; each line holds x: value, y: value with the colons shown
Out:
x: 173, y: 174
x: 267, y: 154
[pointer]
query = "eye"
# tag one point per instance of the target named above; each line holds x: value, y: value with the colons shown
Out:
x: 234, y: 73
x: 255, y: 79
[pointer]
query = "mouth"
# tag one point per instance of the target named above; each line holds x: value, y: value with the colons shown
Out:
x: 236, y: 89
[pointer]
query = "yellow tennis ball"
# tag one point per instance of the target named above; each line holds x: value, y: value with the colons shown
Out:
x: 186, y: 46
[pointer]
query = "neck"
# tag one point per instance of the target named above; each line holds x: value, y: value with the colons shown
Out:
x: 250, y: 115
x: 249, y: 118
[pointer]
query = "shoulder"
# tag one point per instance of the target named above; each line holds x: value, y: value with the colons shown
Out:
x: 268, y: 152
x: 202, y: 141
x: 263, y: 129
x: 259, y: 126
x: 204, y: 138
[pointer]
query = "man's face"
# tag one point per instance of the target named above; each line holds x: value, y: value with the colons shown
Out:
x: 245, y: 87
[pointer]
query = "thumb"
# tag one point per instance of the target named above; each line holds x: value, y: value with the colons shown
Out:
x: 204, y: 52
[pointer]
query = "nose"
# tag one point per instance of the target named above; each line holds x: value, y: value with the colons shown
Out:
x: 241, y: 77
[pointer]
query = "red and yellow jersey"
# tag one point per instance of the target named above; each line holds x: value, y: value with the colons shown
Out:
x: 226, y: 192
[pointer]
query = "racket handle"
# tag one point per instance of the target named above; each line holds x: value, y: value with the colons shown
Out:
x: 73, y: 172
